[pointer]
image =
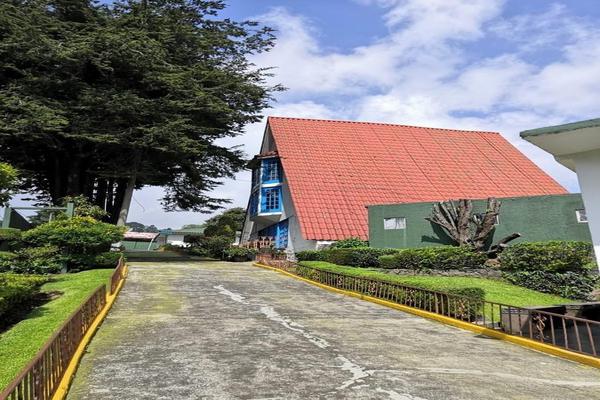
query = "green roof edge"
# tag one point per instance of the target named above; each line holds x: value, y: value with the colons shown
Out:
x: 590, y: 123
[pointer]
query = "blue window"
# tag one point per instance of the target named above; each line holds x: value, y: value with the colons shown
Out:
x: 271, y: 171
x: 279, y: 232
x: 270, y: 200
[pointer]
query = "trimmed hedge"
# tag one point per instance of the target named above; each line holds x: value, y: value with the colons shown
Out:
x: 10, y: 238
x: 16, y: 291
x: 362, y: 257
x: 432, y: 258
x: 239, y: 254
x: 350, y: 243
x: 78, y: 239
x: 572, y: 285
x: 552, y: 256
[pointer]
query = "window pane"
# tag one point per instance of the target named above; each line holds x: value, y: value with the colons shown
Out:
x: 394, y: 223
x: 581, y: 216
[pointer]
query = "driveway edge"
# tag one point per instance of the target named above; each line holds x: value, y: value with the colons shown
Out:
x: 65, y: 382
x: 521, y: 341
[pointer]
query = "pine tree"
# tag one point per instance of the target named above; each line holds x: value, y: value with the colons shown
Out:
x: 98, y: 100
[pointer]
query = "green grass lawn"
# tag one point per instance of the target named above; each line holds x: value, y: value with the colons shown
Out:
x: 495, y: 290
x: 21, y: 342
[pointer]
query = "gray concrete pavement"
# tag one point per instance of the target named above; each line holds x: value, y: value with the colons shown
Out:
x: 210, y: 330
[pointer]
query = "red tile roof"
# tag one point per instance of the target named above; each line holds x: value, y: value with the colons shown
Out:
x: 336, y: 168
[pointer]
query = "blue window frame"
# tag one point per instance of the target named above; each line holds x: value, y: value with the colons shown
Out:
x: 255, y: 176
x: 279, y: 232
x: 270, y: 199
x: 271, y: 170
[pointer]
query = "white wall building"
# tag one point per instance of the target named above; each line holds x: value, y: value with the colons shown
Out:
x: 577, y: 147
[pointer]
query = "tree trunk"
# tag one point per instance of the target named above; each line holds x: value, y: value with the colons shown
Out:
x: 128, y: 194
x: 126, y: 203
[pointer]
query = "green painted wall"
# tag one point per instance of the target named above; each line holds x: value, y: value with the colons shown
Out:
x: 537, y: 218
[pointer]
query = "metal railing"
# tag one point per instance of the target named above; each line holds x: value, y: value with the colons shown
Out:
x: 40, y: 378
x: 567, y: 332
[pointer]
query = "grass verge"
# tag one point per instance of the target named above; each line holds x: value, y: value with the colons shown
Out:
x: 495, y: 290
x: 20, y: 343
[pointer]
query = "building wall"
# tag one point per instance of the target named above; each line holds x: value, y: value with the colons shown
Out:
x: 253, y: 225
x: 587, y: 166
x: 537, y: 218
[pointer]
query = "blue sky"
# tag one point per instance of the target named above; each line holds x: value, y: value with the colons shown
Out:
x: 499, y: 65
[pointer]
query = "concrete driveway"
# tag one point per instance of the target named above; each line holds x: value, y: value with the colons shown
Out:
x: 211, y: 330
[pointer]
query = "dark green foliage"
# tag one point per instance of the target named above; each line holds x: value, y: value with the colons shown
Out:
x: 225, y: 223
x: 350, y: 243
x: 94, y: 94
x: 38, y: 260
x: 573, y: 285
x: 432, y: 258
x: 311, y: 255
x: 79, y: 239
x: 212, y: 246
x: 16, y: 291
x: 552, y: 256
x: 239, y: 254
x: 108, y: 259
x: 8, y: 178
x: 7, y: 260
x: 362, y: 257
x: 10, y: 239
x: 139, y: 227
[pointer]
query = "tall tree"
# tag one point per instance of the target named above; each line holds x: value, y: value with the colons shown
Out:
x: 225, y: 223
x: 98, y: 100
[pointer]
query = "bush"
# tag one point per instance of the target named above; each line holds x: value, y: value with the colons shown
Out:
x: 7, y: 259
x: 239, y: 254
x: 16, y: 291
x: 10, y: 238
x: 350, y: 243
x: 440, y: 258
x: 572, y: 285
x: 212, y: 246
x: 552, y: 256
x: 38, y: 260
x: 311, y: 255
x: 79, y: 239
x: 108, y: 259
x: 362, y: 257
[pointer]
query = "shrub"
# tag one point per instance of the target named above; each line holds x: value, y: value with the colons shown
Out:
x: 362, y: 257
x: 108, y: 259
x: 7, y: 259
x: 311, y: 255
x: 10, y: 238
x: 38, y: 260
x: 239, y: 254
x: 573, y: 285
x: 441, y: 258
x: 16, y: 291
x: 350, y: 243
x: 552, y: 256
x: 212, y: 246
x: 79, y: 239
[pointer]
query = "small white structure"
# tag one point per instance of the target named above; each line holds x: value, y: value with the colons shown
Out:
x: 577, y: 147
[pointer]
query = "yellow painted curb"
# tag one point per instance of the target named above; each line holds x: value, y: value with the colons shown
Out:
x: 521, y: 341
x: 65, y: 382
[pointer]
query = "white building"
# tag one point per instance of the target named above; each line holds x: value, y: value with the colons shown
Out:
x: 577, y: 147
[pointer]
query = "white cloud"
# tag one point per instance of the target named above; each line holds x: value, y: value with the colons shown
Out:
x: 424, y: 72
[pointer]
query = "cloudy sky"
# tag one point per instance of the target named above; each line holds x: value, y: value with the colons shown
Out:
x: 500, y: 65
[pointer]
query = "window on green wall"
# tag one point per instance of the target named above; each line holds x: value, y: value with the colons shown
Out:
x: 581, y: 216
x: 394, y: 223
